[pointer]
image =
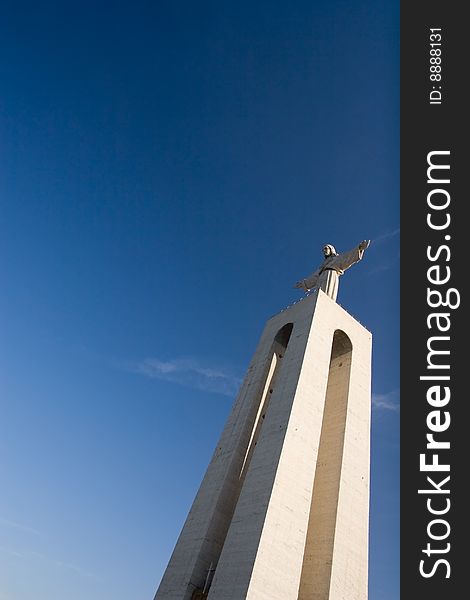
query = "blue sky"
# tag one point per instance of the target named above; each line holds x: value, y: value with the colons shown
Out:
x: 169, y: 170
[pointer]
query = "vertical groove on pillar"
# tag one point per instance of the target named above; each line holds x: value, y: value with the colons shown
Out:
x: 318, y: 554
x: 194, y: 560
x: 278, y: 349
x: 276, y: 354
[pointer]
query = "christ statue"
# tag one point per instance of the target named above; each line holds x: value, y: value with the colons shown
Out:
x: 326, y: 277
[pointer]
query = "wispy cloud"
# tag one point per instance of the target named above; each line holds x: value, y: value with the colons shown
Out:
x: 385, y: 266
x: 389, y: 401
x: 12, y: 552
x: 14, y: 525
x: 189, y: 372
x: 62, y: 564
x: 386, y: 236
x: 386, y: 261
x: 49, y: 559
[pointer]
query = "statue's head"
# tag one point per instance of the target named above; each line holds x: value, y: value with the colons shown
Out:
x: 329, y: 250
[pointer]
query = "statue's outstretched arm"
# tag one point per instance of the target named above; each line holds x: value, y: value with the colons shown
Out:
x: 347, y: 259
x: 309, y: 282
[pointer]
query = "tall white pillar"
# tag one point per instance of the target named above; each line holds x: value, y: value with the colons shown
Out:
x: 282, y: 512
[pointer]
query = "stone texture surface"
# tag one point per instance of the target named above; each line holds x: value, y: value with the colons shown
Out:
x: 282, y: 512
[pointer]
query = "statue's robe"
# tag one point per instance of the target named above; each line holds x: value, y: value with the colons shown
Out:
x: 326, y: 277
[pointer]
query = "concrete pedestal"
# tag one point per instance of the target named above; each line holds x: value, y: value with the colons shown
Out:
x: 282, y: 512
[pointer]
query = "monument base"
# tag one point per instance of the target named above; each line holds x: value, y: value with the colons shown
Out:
x: 282, y: 512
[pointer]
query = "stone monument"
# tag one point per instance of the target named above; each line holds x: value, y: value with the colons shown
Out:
x: 282, y: 512
x: 326, y: 277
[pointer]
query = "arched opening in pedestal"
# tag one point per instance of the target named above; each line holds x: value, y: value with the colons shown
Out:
x: 319, y: 547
